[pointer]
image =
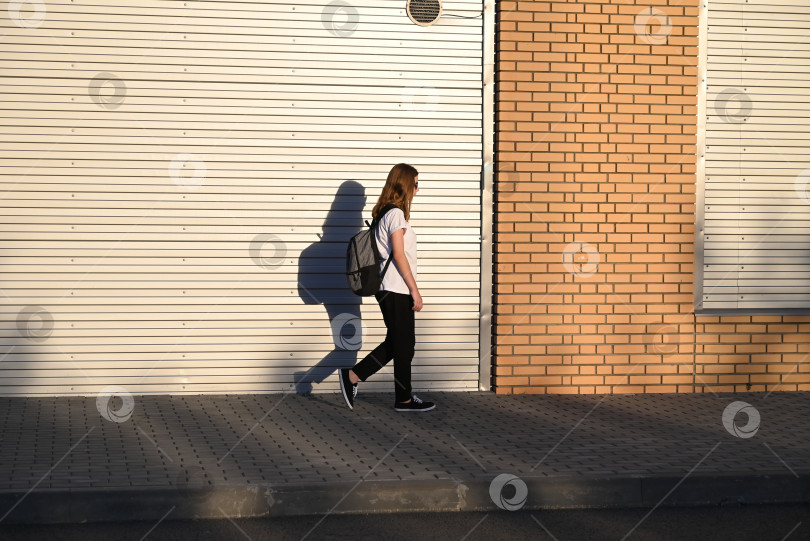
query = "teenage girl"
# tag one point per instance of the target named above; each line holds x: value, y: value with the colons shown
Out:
x: 398, y: 297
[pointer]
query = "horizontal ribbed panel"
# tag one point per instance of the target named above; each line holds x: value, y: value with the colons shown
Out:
x: 757, y: 202
x: 180, y: 180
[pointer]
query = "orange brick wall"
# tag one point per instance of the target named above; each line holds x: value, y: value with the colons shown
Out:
x: 596, y: 120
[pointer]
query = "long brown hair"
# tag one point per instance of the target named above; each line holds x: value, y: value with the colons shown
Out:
x: 398, y: 189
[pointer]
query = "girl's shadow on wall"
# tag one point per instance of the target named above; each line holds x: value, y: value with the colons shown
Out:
x: 322, y: 280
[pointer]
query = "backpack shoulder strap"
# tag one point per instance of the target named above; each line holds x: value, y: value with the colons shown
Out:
x: 374, y: 225
x: 382, y: 213
x: 385, y: 268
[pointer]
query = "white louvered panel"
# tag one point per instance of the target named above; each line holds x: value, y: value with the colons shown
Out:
x: 133, y: 215
x: 756, y: 249
x: 762, y: 6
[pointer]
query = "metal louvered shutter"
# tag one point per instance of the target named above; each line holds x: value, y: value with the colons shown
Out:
x: 753, y: 245
x: 180, y: 181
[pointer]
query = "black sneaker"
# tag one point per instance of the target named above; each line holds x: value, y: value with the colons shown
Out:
x: 416, y: 404
x: 345, y: 385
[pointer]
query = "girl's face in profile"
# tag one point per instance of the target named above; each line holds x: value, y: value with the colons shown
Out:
x: 416, y: 184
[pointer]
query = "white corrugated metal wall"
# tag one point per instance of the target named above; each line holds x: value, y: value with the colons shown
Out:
x: 180, y: 178
x: 754, y: 243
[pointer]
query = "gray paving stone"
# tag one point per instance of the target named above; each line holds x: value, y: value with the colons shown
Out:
x: 305, y: 442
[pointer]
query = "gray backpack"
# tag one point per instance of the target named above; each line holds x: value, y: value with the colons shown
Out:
x: 363, y: 259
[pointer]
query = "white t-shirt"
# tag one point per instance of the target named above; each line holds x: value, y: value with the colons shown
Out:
x: 394, y: 220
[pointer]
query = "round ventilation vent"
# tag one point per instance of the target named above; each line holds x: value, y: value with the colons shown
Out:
x: 424, y: 12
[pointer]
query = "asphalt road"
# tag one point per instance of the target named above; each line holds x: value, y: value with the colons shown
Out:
x: 733, y: 523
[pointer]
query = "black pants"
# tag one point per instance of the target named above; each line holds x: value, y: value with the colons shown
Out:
x: 398, y: 314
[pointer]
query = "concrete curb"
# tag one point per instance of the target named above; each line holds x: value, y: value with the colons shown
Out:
x: 52, y: 506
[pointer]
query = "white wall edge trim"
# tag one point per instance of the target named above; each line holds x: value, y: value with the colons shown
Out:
x: 487, y: 173
x: 700, y: 170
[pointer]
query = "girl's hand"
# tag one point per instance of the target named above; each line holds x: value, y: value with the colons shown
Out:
x: 417, y: 301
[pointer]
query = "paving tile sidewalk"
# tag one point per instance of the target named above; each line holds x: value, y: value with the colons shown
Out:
x: 282, y: 454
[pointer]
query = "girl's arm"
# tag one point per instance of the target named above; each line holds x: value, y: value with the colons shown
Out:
x: 401, y: 261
